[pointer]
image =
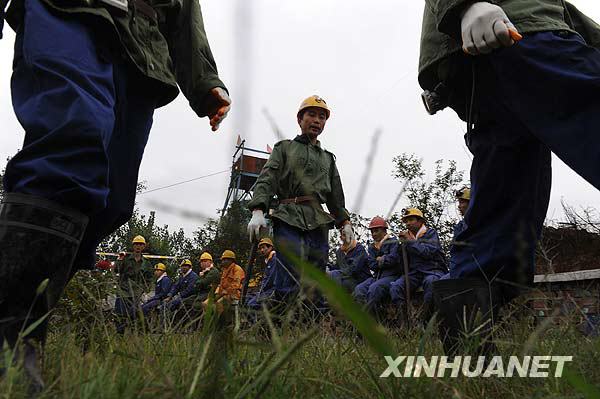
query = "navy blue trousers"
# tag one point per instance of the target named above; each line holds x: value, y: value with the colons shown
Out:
x: 308, y: 246
x: 86, y: 117
x: 534, y: 98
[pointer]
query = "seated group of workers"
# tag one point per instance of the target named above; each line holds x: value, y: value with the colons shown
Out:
x: 376, y: 275
x: 189, y: 291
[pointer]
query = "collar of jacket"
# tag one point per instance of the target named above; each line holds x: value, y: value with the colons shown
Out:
x: 303, y: 138
x: 378, y: 244
x: 347, y: 248
x: 161, y: 277
x: 268, y: 258
x: 420, y: 233
x: 203, y: 272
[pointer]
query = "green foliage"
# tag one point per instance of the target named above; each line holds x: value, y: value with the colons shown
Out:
x: 229, y: 232
x: 434, y: 197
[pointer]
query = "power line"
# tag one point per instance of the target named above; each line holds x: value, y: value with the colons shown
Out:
x: 185, y: 181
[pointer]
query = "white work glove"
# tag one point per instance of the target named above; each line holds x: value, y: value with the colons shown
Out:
x: 348, y: 233
x: 485, y: 27
x: 258, y: 220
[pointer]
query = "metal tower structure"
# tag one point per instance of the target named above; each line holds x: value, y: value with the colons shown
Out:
x: 244, y: 172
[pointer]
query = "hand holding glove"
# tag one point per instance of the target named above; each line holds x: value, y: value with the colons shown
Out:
x: 485, y: 27
x: 258, y: 220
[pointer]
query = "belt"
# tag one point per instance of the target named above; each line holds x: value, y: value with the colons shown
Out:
x: 299, y: 200
x: 145, y: 9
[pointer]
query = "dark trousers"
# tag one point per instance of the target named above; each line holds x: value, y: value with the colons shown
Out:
x: 294, y: 244
x: 538, y: 96
x: 86, y: 120
x: 416, y: 280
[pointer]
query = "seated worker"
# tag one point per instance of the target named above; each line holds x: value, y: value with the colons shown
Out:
x: 384, y: 261
x: 184, y: 288
x: 208, y: 278
x: 463, y: 196
x: 266, y: 290
x: 351, y: 266
x: 161, y: 290
x: 230, y: 286
x: 426, y: 262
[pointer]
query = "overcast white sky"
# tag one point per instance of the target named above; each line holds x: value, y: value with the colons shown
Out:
x: 360, y: 56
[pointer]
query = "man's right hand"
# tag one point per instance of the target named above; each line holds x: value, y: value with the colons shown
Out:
x: 258, y: 220
x: 220, y: 104
x: 485, y: 27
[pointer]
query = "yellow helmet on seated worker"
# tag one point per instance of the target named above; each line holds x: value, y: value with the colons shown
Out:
x: 160, y: 266
x: 266, y: 241
x: 228, y: 254
x: 139, y: 240
x: 408, y: 212
x: 314, y: 101
x: 464, y: 193
x: 206, y: 256
x: 186, y: 262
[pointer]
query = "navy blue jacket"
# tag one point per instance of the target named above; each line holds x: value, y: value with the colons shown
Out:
x: 161, y: 289
x: 267, y: 284
x: 185, y: 286
x: 354, y: 264
x: 392, y: 260
x: 425, y: 253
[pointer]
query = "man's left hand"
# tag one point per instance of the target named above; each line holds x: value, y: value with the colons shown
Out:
x: 220, y: 104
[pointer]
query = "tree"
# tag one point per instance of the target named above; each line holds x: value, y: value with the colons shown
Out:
x: 435, y: 198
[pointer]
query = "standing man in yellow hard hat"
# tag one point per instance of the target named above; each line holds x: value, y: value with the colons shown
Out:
x: 161, y: 289
x: 303, y: 176
x: 135, y: 274
x: 426, y: 260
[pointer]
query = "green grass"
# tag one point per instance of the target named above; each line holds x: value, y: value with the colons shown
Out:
x: 323, y: 360
x: 287, y: 357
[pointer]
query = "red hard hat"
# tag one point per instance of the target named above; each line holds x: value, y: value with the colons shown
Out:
x: 378, y: 221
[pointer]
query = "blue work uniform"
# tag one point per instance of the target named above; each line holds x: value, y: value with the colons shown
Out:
x: 86, y: 111
x: 373, y: 291
x: 426, y: 264
x: 184, y: 288
x: 351, y: 268
x: 267, y: 287
x: 161, y: 290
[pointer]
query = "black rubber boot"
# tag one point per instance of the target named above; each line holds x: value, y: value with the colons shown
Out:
x: 38, y: 240
x: 467, y: 310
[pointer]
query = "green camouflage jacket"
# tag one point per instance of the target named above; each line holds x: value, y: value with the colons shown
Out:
x: 172, y: 50
x: 297, y: 168
x: 208, y: 280
x: 440, y: 36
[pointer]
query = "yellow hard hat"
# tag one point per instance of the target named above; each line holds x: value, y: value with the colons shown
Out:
x: 408, y: 212
x: 314, y: 101
x: 228, y: 254
x: 266, y: 241
x: 464, y: 193
x: 160, y: 266
x: 139, y: 240
x: 206, y: 256
x: 186, y: 262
